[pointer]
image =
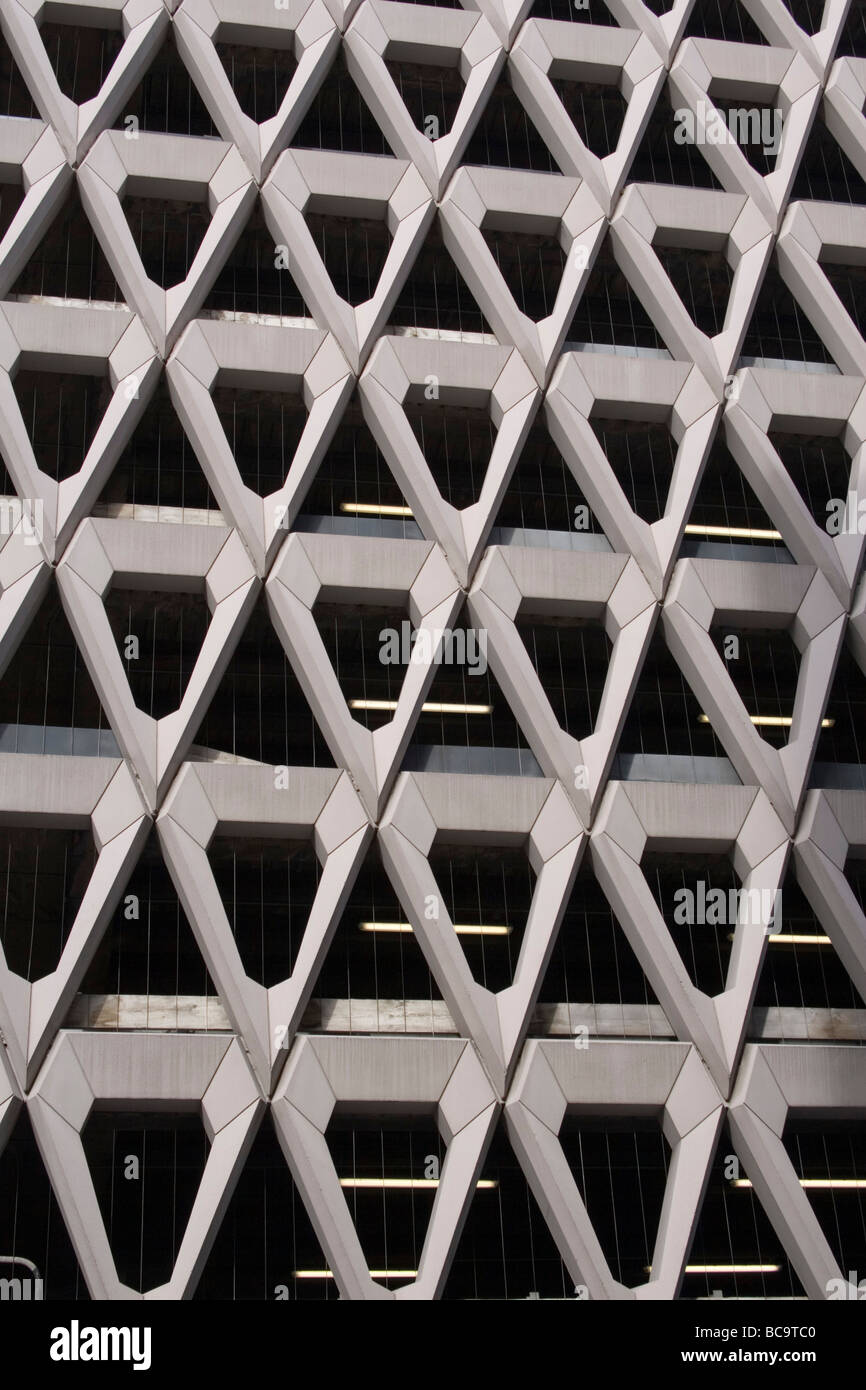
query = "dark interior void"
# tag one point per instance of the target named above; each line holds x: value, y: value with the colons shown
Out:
x: 677, y: 880
x: 819, y: 466
x: 15, y: 98
x: 597, y: 111
x: 703, y: 280
x: 807, y: 975
x: 489, y: 721
x: 391, y: 1222
x: 849, y: 282
x: 46, y: 683
x: 620, y: 1168
x: 586, y: 13
x: 758, y: 133
x: 166, y: 100
x: 542, y: 493
x: 80, y: 56
x: 734, y: 1229
x: 609, y: 310
x: 764, y: 672
x: 660, y: 159
x: 353, y: 470
x: 844, y: 741
x: 807, y: 13
x: 779, y: 328
x: 429, y: 91
x: 353, y: 252
x: 531, y: 264
x: 31, y: 1226
x: 266, y: 1238
x: 357, y: 640
x: 148, y: 946
x: 506, y: 1250
x: 822, y: 1149
x: 159, y: 636
x: 253, y: 278
x: 723, y: 19
x: 44, y: 875
x: 364, y: 963
x: 725, y: 498
x: 69, y: 261
x: 592, y: 961
x: 259, y: 77
x: 852, y: 40
x: 434, y: 293
x: 61, y: 412
x: 571, y: 659
x: 456, y: 441
x: 664, y: 714
x: 158, y: 467
x: 259, y: 711
x: 263, y: 430
x: 339, y: 118
x: 167, y: 233
x: 11, y: 198
x: 505, y: 136
x: 146, y: 1168
x: 641, y: 454
x: 491, y: 886
x: 825, y: 172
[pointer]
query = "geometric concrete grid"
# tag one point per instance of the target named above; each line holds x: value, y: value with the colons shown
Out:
x: 263, y: 1051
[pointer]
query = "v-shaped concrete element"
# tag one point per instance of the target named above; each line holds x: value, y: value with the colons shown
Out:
x: 774, y: 77
x: 650, y: 214
x: 25, y: 575
x: 535, y: 811
x: 803, y: 403
x: 343, y: 12
x: 552, y: 1079
x: 772, y: 1081
x: 832, y: 824
x: 98, y: 791
x: 588, y: 383
x: 323, y: 1073
x: 33, y: 148
x: 514, y: 581
x: 395, y: 571
x: 844, y: 99
x: 206, y: 558
x: 796, y: 596
x: 10, y: 1100
x: 163, y: 1072
x: 478, y: 375
x: 64, y: 339
x: 305, y: 26
x: 625, y: 58
x: 383, y: 30
x: 319, y: 802
x: 216, y: 353
x: 514, y: 200
x: 348, y: 185
x: 776, y: 21
x: 695, y: 820
x: 165, y: 166
x: 810, y: 231
x: 144, y: 24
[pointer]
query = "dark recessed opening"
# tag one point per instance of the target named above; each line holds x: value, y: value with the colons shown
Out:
x: 431, y: 94
x: 167, y: 233
x: 641, y: 454
x: 159, y: 636
x: 263, y: 429
x: 81, y: 57
x: 259, y: 77
x: 158, y: 467
x: 61, y: 412
x: 44, y: 875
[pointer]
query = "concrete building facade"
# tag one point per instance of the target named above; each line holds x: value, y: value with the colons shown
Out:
x: 432, y: 649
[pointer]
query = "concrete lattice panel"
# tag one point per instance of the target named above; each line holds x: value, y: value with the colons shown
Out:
x: 526, y: 372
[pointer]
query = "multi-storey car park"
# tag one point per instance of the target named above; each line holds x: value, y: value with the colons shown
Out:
x: 337, y: 967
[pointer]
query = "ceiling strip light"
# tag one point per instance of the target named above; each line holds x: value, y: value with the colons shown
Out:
x: 373, y: 1273
x: 427, y: 708
x: 484, y: 1184
x: 822, y: 1184
x: 462, y: 928
x: 771, y: 721
x: 747, y: 533
x: 375, y: 509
